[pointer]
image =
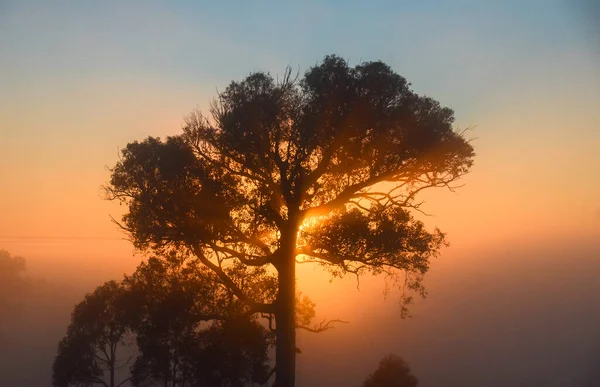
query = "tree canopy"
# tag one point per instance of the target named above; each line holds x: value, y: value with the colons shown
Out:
x: 324, y: 168
x: 171, y: 324
x: 98, y: 329
x: 12, y: 282
x: 392, y: 371
x: 190, y: 330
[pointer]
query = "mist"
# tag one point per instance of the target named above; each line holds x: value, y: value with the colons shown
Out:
x: 512, y: 314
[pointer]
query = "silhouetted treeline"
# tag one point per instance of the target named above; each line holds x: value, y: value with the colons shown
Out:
x: 171, y: 323
x: 13, y: 285
x: 392, y: 371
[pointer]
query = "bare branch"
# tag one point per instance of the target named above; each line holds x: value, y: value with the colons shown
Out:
x: 269, y: 376
x: 124, y: 381
x: 269, y: 318
x: 246, y: 259
x: 346, y: 195
x: 98, y: 380
x: 253, y: 304
x: 322, y: 326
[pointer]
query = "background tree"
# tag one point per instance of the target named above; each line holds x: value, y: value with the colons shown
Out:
x: 12, y: 282
x: 325, y: 169
x: 98, y: 329
x: 189, y: 328
x: 392, y: 371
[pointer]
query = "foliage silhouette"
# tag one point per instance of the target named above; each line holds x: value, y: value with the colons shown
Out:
x: 323, y: 169
x: 95, y: 337
x: 190, y: 330
x: 178, y: 325
x: 392, y: 371
x: 12, y: 282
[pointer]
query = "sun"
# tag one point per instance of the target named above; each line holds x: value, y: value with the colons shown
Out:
x: 311, y: 222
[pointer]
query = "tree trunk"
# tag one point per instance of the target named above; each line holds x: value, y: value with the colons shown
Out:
x: 113, y: 350
x: 285, y: 328
x: 174, y: 374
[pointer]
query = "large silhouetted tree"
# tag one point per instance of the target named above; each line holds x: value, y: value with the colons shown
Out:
x: 392, y: 371
x: 322, y: 169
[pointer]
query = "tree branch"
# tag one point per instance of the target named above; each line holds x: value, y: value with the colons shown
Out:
x: 253, y: 261
x: 269, y: 375
x: 101, y: 359
x: 124, y: 381
x: 322, y: 326
x: 253, y: 304
x: 343, y: 197
x: 269, y: 318
x: 98, y: 380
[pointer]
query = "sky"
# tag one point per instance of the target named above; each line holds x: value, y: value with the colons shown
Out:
x: 79, y: 80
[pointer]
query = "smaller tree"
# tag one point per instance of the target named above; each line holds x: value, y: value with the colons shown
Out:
x: 12, y: 283
x: 392, y: 371
x: 186, y: 327
x: 99, y: 327
x: 233, y: 353
x: 191, y: 330
x: 77, y: 363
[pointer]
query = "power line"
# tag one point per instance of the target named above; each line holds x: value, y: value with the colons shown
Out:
x: 22, y: 237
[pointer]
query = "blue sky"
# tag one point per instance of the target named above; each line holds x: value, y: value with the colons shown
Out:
x: 431, y: 42
x: 464, y: 53
x: 452, y: 48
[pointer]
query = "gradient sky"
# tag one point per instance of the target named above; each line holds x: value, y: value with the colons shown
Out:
x: 81, y: 79
x: 78, y: 80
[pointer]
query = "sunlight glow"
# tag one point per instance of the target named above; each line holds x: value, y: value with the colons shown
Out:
x: 312, y: 222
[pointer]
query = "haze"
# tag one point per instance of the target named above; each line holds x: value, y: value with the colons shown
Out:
x: 512, y: 302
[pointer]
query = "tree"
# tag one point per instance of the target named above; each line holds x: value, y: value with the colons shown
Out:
x: 392, y: 371
x: 189, y: 328
x: 98, y: 328
x: 12, y: 283
x: 324, y: 169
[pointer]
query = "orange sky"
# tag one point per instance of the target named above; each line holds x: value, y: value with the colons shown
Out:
x: 524, y: 183
x: 532, y: 180
x: 82, y: 81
